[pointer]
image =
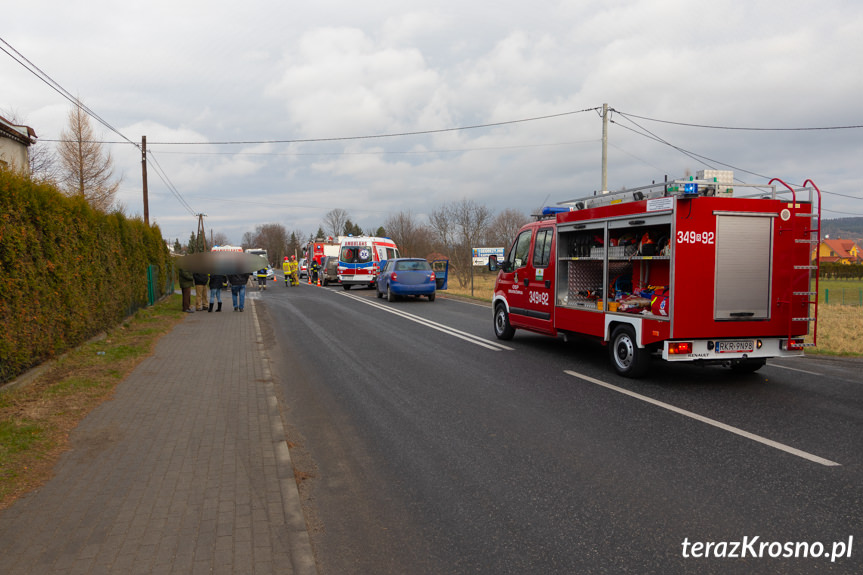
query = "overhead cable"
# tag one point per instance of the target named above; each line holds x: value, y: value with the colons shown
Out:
x: 36, y: 71
x: 752, y: 129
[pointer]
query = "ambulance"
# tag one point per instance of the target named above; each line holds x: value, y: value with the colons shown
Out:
x: 361, y: 259
x: 695, y: 270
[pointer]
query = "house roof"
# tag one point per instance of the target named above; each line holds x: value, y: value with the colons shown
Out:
x: 842, y: 247
x: 22, y: 134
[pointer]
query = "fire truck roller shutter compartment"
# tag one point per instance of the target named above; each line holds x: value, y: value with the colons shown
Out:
x: 744, y: 265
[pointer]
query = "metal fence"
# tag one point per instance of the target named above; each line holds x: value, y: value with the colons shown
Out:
x: 843, y: 296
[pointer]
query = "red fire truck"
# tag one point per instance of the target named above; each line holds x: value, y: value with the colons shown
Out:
x: 698, y: 270
x: 317, y: 249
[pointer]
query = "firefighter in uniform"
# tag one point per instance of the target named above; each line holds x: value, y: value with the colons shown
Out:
x: 262, y: 278
x: 295, y: 269
x: 286, y: 268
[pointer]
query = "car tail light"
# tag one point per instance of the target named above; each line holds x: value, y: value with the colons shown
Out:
x: 680, y: 347
x: 432, y: 277
x: 394, y: 277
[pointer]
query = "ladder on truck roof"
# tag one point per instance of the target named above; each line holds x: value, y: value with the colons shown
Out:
x: 811, y: 228
x: 690, y: 187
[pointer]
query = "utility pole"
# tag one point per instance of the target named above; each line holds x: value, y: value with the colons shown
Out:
x: 202, y: 235
x: 604, y: 188
x: 144, y: 177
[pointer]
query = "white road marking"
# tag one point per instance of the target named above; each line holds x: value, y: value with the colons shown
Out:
x: 707, y: 420
x: 793, y: 369
x: 486, y: 343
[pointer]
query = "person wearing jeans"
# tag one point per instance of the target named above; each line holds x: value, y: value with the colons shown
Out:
x: 238, y: 289
x: 216, y: 283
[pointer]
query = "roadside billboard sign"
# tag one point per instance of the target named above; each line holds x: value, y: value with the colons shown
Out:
x: 480, y: 255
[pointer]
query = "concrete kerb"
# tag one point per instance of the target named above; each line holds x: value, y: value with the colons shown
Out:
x: 302, y: 557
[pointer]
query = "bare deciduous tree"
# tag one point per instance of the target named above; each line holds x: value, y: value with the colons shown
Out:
x: 334, y: 221
x: 504, y: 227
x: 412, y: 238
x: 248, y: 241
x: 84, y: 169
x: 460, y: 226
x: 219, y: 239
x: 274, y: 239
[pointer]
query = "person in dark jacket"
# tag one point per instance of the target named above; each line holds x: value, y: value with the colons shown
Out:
x: 187, y: 280
x: 238, y: 289
x: 216, y: 283
x: 201, y: 281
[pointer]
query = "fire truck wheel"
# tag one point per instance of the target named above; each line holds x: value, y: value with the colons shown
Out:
x: 627, y: 358
x: 502, y: 328
x: 748, y: 365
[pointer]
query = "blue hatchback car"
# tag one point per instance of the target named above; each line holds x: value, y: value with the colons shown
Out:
x: 406, y: 276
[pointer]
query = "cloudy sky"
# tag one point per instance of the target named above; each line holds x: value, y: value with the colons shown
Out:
x: 277, y: 112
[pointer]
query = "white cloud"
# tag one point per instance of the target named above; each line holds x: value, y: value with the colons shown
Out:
x: 211, y: 72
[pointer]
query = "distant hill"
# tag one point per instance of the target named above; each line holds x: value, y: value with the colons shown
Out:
x: 844, y: 228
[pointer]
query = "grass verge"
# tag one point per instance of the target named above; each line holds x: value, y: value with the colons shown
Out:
x: 36, y: 419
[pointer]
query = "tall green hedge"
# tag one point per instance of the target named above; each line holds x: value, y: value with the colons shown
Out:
x: 834, y: 270
x: 67, y: 271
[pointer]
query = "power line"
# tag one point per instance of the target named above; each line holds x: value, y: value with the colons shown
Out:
x: 704, y: 159
x: 385, y: 153
x: 39, y: 73
x: 54, y: 85
x: 364, y: 137
x: 751, y: 129
x: 152, y: 161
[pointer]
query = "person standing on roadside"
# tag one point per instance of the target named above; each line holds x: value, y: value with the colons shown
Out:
x: 262, y: 278
x: 187, y: 280
x: 201, y: 281
x: 216, y: 283
x: 294, y: 267
x: 238, y: 289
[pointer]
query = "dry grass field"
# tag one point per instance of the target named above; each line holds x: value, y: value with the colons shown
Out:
x: 840, y: 327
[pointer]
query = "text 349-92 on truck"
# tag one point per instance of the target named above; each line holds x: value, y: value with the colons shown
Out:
x: 699, y: 270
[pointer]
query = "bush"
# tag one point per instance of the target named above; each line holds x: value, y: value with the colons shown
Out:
x: 841, y: 271
x: 67, y: 271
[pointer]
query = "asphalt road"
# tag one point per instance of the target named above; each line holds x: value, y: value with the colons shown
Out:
x: 423, y: 449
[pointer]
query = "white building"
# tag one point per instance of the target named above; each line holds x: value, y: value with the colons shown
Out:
x: 14, y: 144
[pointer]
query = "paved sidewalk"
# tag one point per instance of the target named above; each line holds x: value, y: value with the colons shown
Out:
x: 185, y: 471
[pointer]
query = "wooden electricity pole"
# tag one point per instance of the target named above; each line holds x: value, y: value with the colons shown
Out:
x: 144, y: 177
x: 202, y: 235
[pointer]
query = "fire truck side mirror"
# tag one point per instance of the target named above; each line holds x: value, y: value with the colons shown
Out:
x: 494, y: 265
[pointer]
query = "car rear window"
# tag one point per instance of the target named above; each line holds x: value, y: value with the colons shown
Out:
x: 418, y: 265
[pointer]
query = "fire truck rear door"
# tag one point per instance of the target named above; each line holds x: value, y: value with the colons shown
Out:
x: 744, y: 265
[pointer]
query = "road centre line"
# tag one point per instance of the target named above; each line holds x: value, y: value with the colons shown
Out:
x: 488, y: 344
x: 771, y: 364
x: 707, y: 420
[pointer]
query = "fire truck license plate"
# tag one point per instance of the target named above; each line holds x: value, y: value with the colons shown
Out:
x: 739, y: 346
